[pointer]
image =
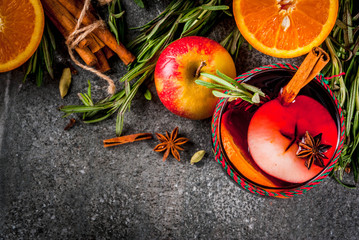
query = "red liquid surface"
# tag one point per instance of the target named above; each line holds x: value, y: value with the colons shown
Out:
x: 253, y: 137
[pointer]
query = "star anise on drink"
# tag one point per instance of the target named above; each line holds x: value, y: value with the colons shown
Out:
x: 170, y: 143
x: 312, y: 149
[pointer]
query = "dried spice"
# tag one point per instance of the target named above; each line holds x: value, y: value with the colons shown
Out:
x: 126, y: 139
x: 70, y: 124
x: 293, y: 139
x: 65, y: 82
x: 170, y: 143
x: 312, y: 149
x: 197, y: 156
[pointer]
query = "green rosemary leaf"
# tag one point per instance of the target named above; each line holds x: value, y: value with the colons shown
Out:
x: 96, y: 120
x: 89, y: 89
x: 123, y: 108
x: 29, y: 68
x: 256, y: 98
x: 118, y: 15
x: 139, y: 3
x: 85, y: 100
x: 113, y: 30
x: 50, y: 35
x: 34, y: 61
x: 219, y: 80
x: 227, y: 78
x: 214, y: 8
x: 148, y: 95
x: 356, y: 123
x: 39, y: 75
x: 127, y: 88
x: 221, y: 94
x: 233, y: 95
x: 47, y: 57
x: 253, y: 89
x: 82, y: 109
x: 227, y: 40
x: 119, y: 123
x: 351, y: 104
x: 210, y: 85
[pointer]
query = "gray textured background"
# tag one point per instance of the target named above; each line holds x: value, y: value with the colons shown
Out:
x: 57, y: 184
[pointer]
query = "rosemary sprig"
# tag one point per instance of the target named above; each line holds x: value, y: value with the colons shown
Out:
x: 115, y: 20
x: 180, y: 18
x: 343, y: 45
x: 43, y: 57
x: 232, y: 42
x: 233, y: 88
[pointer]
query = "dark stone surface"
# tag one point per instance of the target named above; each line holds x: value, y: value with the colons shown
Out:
x: 57, y: 184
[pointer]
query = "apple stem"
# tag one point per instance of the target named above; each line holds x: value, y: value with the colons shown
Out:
x: 198, y: 72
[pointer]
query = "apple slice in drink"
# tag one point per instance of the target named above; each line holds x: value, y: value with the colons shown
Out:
x: 274, y: 126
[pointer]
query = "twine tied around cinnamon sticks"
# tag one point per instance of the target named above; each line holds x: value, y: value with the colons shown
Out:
x: 86, y: 34
x: 77, y: 36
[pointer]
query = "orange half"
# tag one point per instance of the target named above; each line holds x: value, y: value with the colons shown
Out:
x: 285, y: 28
x: 21, y: 28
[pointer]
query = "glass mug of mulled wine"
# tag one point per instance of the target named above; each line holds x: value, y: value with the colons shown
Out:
x: 278, y: 149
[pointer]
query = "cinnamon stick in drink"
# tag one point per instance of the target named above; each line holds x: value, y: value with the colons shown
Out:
x: 311, y: 66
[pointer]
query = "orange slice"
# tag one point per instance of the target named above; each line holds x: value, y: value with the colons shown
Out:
x: 285, y: 28
x: 21, y: 28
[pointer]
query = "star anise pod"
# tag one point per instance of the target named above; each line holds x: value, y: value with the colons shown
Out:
x: 170, y: 143
x: 312, y: 149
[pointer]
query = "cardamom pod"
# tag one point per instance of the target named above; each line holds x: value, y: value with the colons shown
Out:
x: 65, y: 82
x: 197, y: 156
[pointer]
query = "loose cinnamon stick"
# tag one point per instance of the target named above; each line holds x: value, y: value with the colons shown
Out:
x: 104, y: 34
x: 102, y: 64
x: 62, y: 19
x: 311, y: 66
x: 126, y: 139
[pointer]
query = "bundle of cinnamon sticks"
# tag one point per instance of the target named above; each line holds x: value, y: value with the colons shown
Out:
x: 98, y: 46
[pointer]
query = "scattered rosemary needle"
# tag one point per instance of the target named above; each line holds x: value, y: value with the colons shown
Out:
x: 197, y: 156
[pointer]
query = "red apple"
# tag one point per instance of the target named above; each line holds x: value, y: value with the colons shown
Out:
x: 175, y: 75
x: 273, y: 121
